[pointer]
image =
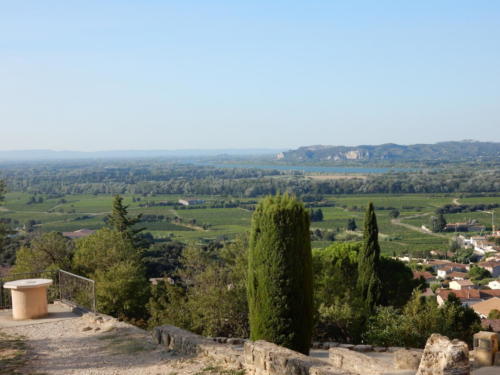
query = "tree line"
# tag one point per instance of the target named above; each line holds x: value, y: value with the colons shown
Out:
x: 157, y: 178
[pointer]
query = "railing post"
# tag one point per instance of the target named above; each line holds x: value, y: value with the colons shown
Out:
x: 59, y: 282
x: 1, y: 294
x: 93, y: 297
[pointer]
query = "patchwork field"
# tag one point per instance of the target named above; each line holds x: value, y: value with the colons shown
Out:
x: 74, y: 212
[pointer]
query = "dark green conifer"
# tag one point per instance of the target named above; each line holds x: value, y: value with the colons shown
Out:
x: 121, y: 222
x: 369, y: 284
x: 280, y: 295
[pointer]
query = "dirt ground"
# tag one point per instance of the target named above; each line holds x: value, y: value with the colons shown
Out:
x: 82, y: 345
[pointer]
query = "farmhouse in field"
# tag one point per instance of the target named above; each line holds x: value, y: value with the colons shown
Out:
x: 471, y: 226
x: 191, y: 201
x: 78, y: 233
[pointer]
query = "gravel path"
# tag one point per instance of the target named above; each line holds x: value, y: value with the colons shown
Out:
x: 103, y: 346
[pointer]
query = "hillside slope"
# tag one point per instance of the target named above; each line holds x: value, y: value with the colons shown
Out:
x: 445, y: 151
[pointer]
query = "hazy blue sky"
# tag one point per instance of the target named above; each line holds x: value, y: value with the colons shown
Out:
x: 93, y: 75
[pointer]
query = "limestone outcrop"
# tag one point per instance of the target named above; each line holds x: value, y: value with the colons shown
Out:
x: 405, y: 359
x: 356, y: 362
x: 444, y: 357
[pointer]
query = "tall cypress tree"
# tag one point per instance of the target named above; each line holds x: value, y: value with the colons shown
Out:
x: 280, y: 295
x: 369, y: 283
x: 121, y: 222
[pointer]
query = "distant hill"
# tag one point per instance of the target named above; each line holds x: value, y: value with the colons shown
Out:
x: 444, y: 151
x: 28, y: 155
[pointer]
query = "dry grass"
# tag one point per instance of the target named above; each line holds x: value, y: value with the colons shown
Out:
x: 13, y: 355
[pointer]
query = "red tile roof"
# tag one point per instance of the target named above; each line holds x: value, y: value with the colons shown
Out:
x: 489, y: 293
x: 463, y: 294
x: 426, y: 275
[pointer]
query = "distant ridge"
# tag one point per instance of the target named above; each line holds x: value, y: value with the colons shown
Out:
x: 24, y: 155
x: 451, y: 151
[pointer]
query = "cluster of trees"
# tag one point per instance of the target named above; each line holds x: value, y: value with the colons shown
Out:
x: 438, y: 223
x: 453, y: 209
x: 110, y: 256
x: 163, y: 178
x: 412, y: 325
x: 8, y: 246
x: 316, y: 214
x: 351, y: 224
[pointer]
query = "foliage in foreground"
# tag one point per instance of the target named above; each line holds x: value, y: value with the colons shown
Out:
x: 412, y: 326
x: 209, y: 293
x: 46, y: 252
x: 340, y: 309
x: 110, y: 258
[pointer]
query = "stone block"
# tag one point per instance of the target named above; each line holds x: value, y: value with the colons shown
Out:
x: 362, y: 348
x: 156, y: 334
x: 444, y: 357
x: 235, y: 341
x: 405, y: 359
x: 346, y: 346
x: 355, y: 362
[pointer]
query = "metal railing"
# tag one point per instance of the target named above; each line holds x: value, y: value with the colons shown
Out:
x: 75, y: 290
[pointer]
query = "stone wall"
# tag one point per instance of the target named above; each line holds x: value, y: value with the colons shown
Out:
x: 265, y: 358
x: 356, y: 362
x: 440, y: 357
x: 258, y: 357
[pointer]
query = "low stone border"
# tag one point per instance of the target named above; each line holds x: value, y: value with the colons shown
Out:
x: 257, y: 357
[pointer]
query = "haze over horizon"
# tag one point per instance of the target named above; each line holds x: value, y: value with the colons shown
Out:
x: 132, y: 75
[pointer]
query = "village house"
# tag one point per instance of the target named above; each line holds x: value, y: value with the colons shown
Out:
x: 468, y: 297
x: 438, y: 263
x: 444, y: 271
x: 489, y: 293
x: 495, y: 284
x: 458, y: 275
x: 480, y: 244
x: 484, y: 308
x: 492, y: 266
x: 461, y: 284
x: 427, y: 276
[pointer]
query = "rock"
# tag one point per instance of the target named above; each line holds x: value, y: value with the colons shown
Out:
x: 96, y: 329
x: 357, y: 363
x: 235, y: 341
x: 86, y: 328
x: 156, y: 334
x: 379, y: 349
x: 108, y: 326
x: 444, y: 357
x: 393, y: 349
x: 346, y: 346
x: 331, y: 344
x: 316, y: 345
x: 405, y: 359
x: 363, y: 348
